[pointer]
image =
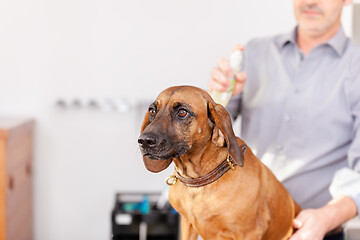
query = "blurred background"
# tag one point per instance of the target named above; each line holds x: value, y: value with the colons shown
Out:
x: 85, y: 72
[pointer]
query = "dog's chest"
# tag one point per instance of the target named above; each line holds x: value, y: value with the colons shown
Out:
x: 196, y: 204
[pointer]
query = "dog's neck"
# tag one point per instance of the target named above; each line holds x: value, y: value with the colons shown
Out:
x: 197, y: 164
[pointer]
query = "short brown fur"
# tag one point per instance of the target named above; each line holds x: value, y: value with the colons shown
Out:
x: 245, y: 203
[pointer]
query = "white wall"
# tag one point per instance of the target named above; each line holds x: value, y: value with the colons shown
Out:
x: 108, y: 49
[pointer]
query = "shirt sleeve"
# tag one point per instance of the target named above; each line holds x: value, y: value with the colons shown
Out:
x: 347, y: 180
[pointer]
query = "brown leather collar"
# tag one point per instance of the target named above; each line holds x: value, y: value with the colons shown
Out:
x: 212, y: 176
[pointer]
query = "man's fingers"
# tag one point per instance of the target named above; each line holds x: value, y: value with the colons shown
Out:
x: 240, y: 82
x: 220, y: 76
x: 214, y: 85
x: 241, y: 77
x: 297, y: 223
x: 224, y: 66
x: 219, y: 79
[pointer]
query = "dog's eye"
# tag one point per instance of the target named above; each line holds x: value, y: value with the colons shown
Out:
x: 152, y: 112
x: 182, y: 113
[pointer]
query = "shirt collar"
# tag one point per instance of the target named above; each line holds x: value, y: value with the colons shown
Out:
x: 284, y: 39
x: 338, y: 42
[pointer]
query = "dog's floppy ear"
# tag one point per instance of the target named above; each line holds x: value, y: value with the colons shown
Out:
x: 222, y: 120
x: 151, y: 164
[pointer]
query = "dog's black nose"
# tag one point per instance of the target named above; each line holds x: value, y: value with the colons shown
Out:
x: 147, y: 140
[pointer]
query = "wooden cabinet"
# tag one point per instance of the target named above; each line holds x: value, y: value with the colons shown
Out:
x: 16, y: 150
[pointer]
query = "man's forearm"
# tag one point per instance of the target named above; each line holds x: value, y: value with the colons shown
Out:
x: 339, y: 210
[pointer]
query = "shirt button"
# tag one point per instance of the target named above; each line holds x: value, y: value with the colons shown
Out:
x: 279, y: 147
x: 287, y: 118
x: 296, y: 90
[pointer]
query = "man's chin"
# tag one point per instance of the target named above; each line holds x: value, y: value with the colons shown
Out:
x: 312, y: 27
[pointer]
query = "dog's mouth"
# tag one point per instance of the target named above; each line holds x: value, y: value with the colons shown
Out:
x: 162, y: 155
x: 156, y: 161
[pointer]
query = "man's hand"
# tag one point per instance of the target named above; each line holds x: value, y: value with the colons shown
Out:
x: 313, y: 224
x: 219, y: 79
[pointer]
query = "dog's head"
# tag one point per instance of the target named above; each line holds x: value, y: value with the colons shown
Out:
x: 183, y: 120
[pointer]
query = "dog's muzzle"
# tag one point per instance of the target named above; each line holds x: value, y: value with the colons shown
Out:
x: 156, y: 146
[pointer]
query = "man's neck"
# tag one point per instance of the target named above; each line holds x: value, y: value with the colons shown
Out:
x: 307, y: 40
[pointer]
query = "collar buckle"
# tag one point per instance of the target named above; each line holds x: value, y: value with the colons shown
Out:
x: 171, y: 180
x: 230, y: 163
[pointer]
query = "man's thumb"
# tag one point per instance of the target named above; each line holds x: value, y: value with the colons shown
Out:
x: 297, y: 223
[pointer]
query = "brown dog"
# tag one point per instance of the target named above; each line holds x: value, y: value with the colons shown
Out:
x: 220, y: 189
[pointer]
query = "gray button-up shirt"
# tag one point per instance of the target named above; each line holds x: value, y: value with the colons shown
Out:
x: 301, y: 115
